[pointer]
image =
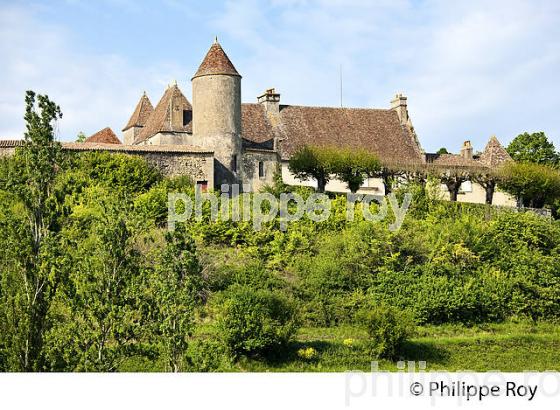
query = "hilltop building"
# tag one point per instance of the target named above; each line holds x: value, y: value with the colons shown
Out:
x: 217, y: 139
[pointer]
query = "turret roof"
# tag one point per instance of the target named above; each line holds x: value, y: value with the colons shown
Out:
x: 216, y: 62
x: 141, y: 113
x: 161, y: 119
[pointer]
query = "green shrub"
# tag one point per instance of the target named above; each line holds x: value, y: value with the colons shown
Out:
x: 256, y: 321
x: 118, y: 171
x: 206, y: 355
x: 388, y: 328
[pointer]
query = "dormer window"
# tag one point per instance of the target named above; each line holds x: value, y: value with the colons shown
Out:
x: 187, y: 117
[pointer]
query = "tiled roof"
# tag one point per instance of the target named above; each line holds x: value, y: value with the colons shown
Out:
x: 376, y: 130
x: 77, y: 146
x: 216, y: 62
x: 168, y: 115
x: 258, y: 132
x: 11, y: 143
x: 93, y: 146
x: 455, y: 160
x: 141, y: 113
x: 494, y: 154
x: 105, y: 136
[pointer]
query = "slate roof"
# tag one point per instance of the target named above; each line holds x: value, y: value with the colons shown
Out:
x: 162, y: 119
x: 141, y: 113
x: 105, y: 136
x: 215, y: 62
x: 376, y: 130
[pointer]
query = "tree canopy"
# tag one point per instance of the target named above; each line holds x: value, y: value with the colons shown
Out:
x: 533, y: 184
x: 534, y: 148
x: 350, y: 166
x: 353, y: 166
x: 311, y: 162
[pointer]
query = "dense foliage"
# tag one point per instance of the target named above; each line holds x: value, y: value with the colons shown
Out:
x: 535, y: 185
x: 91, y: 280
x: 256, y: 321
x: 535, y: 148
x: 388, y: 329
x: 351, y: 166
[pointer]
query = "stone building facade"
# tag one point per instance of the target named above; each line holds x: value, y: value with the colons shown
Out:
x: 220, y: 140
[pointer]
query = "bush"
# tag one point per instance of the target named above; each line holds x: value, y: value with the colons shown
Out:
x: 388, y: 328
x: 208, y: 356
x: 256, y: 321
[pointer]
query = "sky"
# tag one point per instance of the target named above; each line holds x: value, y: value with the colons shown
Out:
x: 470, y: 69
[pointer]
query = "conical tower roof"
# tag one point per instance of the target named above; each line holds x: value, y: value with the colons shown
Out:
x: 216, y: 62
x: 162, y: 119
x: 141, y: 113
x: 494, y: 154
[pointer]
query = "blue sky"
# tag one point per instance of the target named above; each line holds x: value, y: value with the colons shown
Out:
x: 470, y: 69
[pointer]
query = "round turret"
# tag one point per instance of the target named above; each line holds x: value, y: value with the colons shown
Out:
x: 216, y: 102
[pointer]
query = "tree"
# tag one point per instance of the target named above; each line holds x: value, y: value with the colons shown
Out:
x: 534, y: 148
x: 311, y: 162
x: 353, y: 166
x: 442, y: 150
x: 534, y: 185
x: 452, y: 178
x: 486, y: 180
x: 31, y: 277
x: 177, y: 286
x: 101, y: 299
x: 81, y: 137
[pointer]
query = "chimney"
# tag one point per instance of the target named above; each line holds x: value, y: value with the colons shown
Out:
x: 271, y: 101
x: 399, y: 105
x: 467, y: 150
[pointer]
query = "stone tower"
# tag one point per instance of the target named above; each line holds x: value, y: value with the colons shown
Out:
x: 138, y: 119
x: 216, y: 101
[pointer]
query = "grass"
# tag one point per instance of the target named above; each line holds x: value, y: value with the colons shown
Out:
x: 508, y: 347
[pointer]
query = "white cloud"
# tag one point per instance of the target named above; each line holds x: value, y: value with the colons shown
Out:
x: 93, y: 91
x: 470, y: 69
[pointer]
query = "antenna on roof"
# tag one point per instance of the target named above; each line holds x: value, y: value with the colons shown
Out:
x: 341, y: 86
x: 216, y: 40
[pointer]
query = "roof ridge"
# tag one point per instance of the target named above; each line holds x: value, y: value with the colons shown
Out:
x: 325, y: 107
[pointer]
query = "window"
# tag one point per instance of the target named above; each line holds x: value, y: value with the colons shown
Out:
x: 187, y: 117
x: 203, y: 185
x: 234, y: 163
x: 261, y: 169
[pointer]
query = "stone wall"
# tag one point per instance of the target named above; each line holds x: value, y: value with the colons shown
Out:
x: 171, y: 161
x: 250, y: 168
x: 199, y: 167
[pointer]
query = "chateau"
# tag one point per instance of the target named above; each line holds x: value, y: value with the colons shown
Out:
x: 217, y: 139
